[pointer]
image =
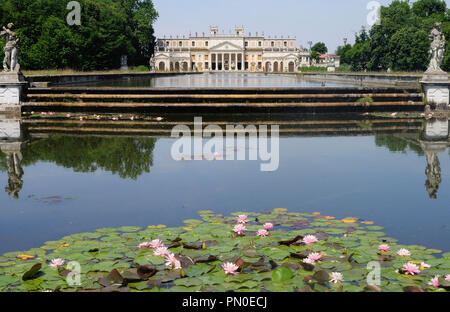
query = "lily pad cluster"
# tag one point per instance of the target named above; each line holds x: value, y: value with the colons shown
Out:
x: 302, y: 252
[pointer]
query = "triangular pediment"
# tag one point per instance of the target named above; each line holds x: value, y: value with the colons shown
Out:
x: 226, y: 46
x: 161, y: 55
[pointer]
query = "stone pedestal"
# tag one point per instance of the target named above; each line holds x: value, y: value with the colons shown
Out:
x: 436, y: 89
x: 436, y: 130
x: 124, y: 63
x: 12, y: 86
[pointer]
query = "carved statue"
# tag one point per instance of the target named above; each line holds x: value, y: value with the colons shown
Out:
x: 437, y: 48
x: 152, y: 64
x: 10, y: 62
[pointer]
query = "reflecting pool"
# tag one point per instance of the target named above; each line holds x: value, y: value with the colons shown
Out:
x: 219, y: 80
x: 65, y: 176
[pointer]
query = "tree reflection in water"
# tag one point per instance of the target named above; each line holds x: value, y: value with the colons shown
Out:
x: 127, y: 157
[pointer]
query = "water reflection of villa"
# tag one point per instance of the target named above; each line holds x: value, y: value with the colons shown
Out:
x: 140, y: 138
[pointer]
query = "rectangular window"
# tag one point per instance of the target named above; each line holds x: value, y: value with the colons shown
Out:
x: 260, y: 44
x: 206, y: 43
x: 193, y: 43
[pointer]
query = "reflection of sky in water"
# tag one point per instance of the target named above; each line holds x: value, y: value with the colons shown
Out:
x: 338, y: 176
x: 220, y: 80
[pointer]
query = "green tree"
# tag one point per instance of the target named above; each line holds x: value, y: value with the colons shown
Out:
x: 319, y: 47
x: 427, y: 8
x: 400, y: 41
x: 409, y: 48
x: 109, y: 29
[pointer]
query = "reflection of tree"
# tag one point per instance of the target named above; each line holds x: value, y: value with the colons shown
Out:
x: 433, y: 172
x: 396, y: 144
x: 127, y: 157
x: 2, y: 162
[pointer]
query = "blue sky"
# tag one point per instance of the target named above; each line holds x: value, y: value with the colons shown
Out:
x: 317, y: 20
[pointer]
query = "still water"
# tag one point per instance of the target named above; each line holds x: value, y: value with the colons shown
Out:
x: 219, y: 80
x: 58, y: 183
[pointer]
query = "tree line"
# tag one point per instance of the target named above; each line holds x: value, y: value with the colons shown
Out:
x: 400, y: 41
x: 108, y: 29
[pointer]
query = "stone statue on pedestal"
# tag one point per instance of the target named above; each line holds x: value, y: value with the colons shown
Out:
x: 435, y: 81
x: 152, y: 64
x: 10, y: 61
x: 437, y: 49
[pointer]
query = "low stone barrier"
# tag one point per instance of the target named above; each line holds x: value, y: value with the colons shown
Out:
x: 367, y: 79
x: 55, y: 80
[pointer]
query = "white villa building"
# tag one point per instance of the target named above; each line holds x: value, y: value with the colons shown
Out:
x: 231, y: 52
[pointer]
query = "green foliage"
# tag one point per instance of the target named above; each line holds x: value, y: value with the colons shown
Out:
x: 366, y: 99
x: 396, y: 144
x: 128, y: 158
x: 400, y: 41
x: 109, y: 29
x: 313, y: 69
x: 319, y: 47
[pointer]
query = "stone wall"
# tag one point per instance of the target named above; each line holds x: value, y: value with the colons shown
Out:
x: 366, y: 79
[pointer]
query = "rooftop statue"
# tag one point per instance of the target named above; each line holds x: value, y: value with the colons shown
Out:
x: 10, y: 61
x: 437, y: 48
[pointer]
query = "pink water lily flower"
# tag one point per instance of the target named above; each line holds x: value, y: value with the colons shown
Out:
x: 156, y: 243
x: 242, y: 219
x: 55, y: 263
x: 144, y: 245
x: 384, y: 248
x: 434, y: 281
x: 239, y: 229
x: 423, y: 265
x: 411, y: 268
x: 161, y: 251
x: 308, y: 261
x: 447, y: 278
x: 336, y: 277
x: 172, y: 262
x: 230, y: 268
x: 315, y: 256
x: 262, y: 233
x: 309, y: 239
x: 404, y: 252
x: 268, y: 226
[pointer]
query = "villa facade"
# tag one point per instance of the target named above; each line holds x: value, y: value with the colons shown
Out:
x: 232, y: 52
